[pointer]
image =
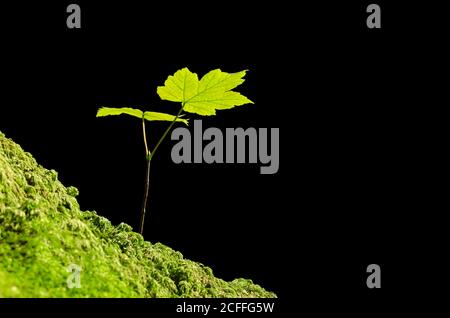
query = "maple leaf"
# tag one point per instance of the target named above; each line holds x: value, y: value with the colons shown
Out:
x: 203, y: 97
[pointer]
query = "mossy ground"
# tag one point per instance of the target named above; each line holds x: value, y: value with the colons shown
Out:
x: 43, y: 231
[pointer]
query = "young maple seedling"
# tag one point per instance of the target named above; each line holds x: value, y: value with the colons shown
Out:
x: 202, y: 97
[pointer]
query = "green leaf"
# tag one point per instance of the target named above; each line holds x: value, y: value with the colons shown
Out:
x: 106, y: 111
x: 150, y: 116
x: 213, y: 91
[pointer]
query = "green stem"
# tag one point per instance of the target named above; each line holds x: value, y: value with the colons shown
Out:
x: 167, y: 131
x: 148, y: 156
x: 147, y: 152
x: 147, y: 180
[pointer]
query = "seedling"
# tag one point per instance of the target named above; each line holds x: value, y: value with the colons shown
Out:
x: 202, y: 97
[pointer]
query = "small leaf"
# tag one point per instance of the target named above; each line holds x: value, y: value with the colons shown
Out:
x: 150, y: 116
x: 107, y: 111
x: 204, y: 97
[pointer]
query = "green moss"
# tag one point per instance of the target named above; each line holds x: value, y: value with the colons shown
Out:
x: 43, y: 231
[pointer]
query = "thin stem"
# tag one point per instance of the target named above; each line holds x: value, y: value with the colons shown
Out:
x: 144, y: 203
x: 145, y: 137
x: 147, y: 180
x: 167, y: 131
x: 148, y: 156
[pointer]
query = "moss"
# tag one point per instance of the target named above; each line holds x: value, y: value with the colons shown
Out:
x: 43, y: 231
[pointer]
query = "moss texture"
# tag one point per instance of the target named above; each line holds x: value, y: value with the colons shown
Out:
x: 43, y: 231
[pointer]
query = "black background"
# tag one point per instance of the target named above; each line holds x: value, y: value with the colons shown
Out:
x: 347, y: 101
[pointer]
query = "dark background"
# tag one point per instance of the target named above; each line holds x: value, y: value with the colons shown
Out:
x: 346, y: 99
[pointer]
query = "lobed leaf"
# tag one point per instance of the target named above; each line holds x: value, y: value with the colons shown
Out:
x: 204, y: 97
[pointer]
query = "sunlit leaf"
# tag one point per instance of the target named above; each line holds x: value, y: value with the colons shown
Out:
x: 150, y: 116
x: 203, y: 97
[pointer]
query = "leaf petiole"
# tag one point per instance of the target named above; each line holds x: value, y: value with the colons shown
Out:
x: 167, y: 131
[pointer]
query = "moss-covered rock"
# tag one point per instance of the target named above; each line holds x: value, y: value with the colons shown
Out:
x: 43, y: 231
